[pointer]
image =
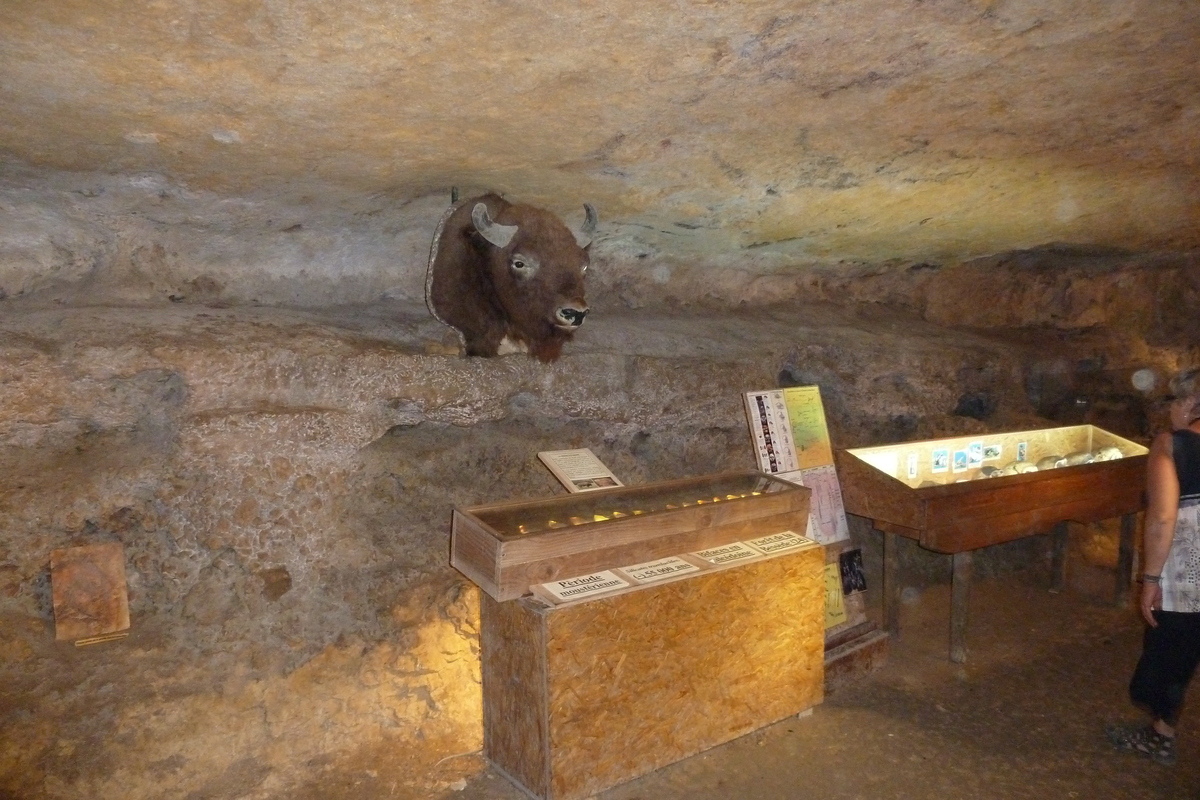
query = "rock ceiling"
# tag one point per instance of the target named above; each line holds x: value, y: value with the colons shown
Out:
x: 868, y: 130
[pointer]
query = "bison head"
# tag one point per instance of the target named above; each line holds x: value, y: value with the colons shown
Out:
x: 536, y: 267
x: 508, y: 276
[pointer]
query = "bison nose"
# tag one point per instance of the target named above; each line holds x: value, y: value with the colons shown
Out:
x: 572, y: 316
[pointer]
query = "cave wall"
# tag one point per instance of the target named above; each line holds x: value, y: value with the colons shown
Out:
x: 214, y: 225
x: 282, y: 479
x: 278, y: 446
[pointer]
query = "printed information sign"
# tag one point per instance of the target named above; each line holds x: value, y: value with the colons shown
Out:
x: 791, y: 440
x: 780, y: 542
x: 584, y: 585
x: 730, y: 552
x: 657, y: 570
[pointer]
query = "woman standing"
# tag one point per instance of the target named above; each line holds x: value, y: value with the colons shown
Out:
x: 1170, y: 598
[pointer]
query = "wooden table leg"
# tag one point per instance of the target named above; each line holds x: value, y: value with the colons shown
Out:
x: 891, y: 584
x: 960, y: 585
x: 1058, y: 557
x: 1125, y: 560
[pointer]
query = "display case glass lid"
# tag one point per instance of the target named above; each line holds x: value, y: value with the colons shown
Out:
x: 1002, y: 454
x: 597, y: 507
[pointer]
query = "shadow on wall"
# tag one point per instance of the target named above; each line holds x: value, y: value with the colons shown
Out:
x: 1086, y: 392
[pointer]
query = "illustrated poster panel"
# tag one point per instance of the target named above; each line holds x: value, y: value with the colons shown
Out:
x: 835, y: 603
x: 810, y: 434
x: 828, y: 513
x: 767, y: 415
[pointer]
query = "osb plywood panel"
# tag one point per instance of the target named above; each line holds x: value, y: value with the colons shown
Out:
x: 680, y: 668
x: 513, y: 643
x: 88, y: 587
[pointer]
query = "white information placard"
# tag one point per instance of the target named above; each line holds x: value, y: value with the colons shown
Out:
x: 780, y: 542
x: 727, y: 553
x: 659, y: 569
x: 579, y: 470
x: 582, y: 586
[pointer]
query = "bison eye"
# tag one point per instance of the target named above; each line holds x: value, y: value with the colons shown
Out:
x: 523, y: 266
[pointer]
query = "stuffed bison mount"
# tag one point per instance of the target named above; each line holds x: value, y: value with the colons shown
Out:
x: 508, y: 277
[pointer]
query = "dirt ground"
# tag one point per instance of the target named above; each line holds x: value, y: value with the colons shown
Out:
x: 1023, y: 718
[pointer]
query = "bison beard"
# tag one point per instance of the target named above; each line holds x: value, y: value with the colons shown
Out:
x: 507, y: 273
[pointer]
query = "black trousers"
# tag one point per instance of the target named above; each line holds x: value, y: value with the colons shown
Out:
x: 1170, y: 654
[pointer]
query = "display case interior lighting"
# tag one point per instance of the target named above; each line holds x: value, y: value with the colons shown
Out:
x: 515, y: 520
x: 996, y: 456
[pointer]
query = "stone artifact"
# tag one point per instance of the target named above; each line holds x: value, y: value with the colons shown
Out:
x: 1107, y: 454
x: 1011, y: 468
x: 508, y: 277
x: 1079, y: 457
x: 1051, y: 462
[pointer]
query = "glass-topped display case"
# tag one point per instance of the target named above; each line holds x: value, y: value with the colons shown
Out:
x: 968, y: 492
x: 957, y: 495
x: 510, y: 521
x: 506, y: 547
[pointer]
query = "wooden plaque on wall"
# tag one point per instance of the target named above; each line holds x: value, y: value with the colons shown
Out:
x: 89, y: 592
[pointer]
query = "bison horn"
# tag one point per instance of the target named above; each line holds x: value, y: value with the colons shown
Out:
x: 584, y: 236
x: 499, y: 235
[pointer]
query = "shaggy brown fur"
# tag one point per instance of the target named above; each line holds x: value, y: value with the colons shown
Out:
x: 530, y: 290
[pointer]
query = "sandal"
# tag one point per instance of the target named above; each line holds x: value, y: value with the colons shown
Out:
x: 1143, y: 740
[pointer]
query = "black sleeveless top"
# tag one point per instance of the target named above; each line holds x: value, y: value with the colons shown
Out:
x: 1185, y: 445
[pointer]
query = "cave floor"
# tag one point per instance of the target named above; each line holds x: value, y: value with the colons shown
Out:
x: 1023, y: 718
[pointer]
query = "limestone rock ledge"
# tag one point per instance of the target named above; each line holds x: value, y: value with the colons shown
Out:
x: 282, y: 484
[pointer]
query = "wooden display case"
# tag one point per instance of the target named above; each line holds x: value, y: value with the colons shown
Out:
x: 591, y: 691
x: 581, y: 697
x: 936, y: 492
x: 507, y: 547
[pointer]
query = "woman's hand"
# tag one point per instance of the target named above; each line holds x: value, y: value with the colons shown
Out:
x: 1151, y: 599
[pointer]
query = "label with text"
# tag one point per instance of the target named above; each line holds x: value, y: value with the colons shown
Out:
x: 779, y: 542
x: 585, y: 585
x: 730, y: 552
x: 657, y: 570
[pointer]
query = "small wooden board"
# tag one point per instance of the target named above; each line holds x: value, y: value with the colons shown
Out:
x: 89, y: 591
